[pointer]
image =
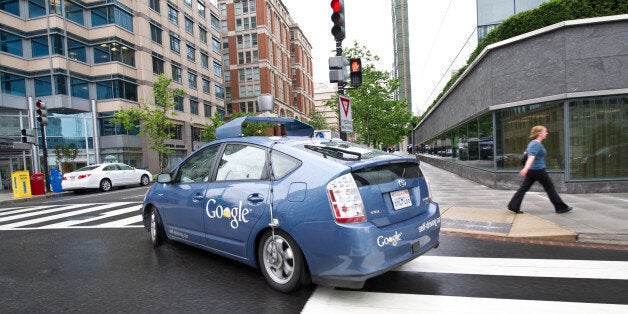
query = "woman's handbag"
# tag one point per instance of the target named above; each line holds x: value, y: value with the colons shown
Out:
x: 524, y: 158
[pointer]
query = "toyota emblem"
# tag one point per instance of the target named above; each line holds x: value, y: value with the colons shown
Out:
x: 401, y: 183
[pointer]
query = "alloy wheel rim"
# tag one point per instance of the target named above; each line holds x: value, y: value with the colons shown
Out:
x: 279, y: 259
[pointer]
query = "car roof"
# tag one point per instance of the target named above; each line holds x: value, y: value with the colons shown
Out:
x: 293, y: 127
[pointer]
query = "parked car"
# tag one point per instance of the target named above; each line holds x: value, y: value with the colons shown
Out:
x: 300, y: 208
x: 104, y: 177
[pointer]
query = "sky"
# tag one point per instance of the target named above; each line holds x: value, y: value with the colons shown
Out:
x: 439, y: 38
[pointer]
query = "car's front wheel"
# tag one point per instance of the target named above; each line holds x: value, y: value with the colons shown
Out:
x: 144, y: 180
x: 157, y: 233
x: 105, y: 185
x: 282, y: 262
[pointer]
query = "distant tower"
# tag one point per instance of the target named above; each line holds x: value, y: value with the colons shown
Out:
x: 401, y: 43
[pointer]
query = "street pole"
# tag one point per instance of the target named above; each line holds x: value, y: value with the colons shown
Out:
x: 45, y: 151
x: 341, y: 91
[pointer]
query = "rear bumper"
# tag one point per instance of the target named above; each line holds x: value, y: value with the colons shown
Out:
x: 346, y: 255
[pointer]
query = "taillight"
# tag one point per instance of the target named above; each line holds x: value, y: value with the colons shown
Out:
x: 83, y: 176
x: 64, y: 178
x: 345, y: 199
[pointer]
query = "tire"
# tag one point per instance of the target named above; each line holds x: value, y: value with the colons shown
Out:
x: 144, y: 180
x: 157, y: 232
x: 284, y: 267
x: 105, y: 185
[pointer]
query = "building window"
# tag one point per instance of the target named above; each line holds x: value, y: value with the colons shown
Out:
x: 202, y: 34
x: 207, y: 110
x: 217, y: 68
x: 112, y: 14
x: 218, y: 91
x: 189, y: 26
x: 11, y: 6
x: 10, y: 43
x: 194, y: 107
x: 215, y: 22
x: 178, y: 103
x: 215, y: 44
x: 158, y: 65
x: 79, y: 88
x: 201, y: 9
x: 36, y: 8
x: 74, y: 13
x: 188, y: 3
x: 113, y: 89
x: 176, y: 74
x: 13, y: 84
x: 154, y: 4
x: 206, y: 83
x: 39, y: 46
x: 191, y: 53
x: 110, y: 52
x: 175, y: 43
x: 155, y: 33
x: 204, y: 59
x: 77, y: 51
x: 192, y: 80
x: 173, y: 15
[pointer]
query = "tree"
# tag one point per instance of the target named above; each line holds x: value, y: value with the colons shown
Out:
x: 377, y: 117
x: 209, y: 133
x: 153, y: 119
x: 317, y: 120
x: 65, y: 156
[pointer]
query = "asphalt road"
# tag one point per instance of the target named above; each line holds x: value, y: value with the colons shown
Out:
x: 117, y: 270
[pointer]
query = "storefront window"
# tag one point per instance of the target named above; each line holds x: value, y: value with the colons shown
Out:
x: 513, y: 131
x: 598, y: 138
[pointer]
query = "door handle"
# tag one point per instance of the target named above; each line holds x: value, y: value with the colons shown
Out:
x: 197, y: 197
x: 255, y: 198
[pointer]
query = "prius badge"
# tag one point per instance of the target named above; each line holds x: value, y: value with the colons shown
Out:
x: 401, y: 183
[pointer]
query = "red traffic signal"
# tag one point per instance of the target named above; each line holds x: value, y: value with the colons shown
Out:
x: 42, y: 112
x: 338, y: 18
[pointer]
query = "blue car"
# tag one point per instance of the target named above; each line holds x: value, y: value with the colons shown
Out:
x: 300, y: 208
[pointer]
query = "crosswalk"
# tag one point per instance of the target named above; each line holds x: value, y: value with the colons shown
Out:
x: 90, y: 215
x: 612, y: 274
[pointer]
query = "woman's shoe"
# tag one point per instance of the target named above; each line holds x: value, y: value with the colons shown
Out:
x: 518, y: 211
x: 560, y: 211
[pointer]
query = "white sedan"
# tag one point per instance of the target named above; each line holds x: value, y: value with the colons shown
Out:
x: 104, y: 177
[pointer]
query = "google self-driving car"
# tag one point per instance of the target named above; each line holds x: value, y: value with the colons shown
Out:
x: 300, y: 208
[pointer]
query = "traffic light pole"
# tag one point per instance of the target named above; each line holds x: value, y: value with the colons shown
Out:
x: 341, y: 91
x: 45, y: 151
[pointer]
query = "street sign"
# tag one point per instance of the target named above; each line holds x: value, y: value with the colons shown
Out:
x: 346, y: 121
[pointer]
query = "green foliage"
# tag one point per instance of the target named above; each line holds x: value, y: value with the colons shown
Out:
x: 152, y: 119
x: 317, y: 120
x: 65, y: 156
x: 377, y: 116
x: 548, y: 13
x: 209, y: 133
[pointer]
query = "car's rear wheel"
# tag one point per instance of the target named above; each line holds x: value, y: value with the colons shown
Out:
x: 282, y: 262
x: 157, y: 233
x: 105, y: 185
x: 144, y: 180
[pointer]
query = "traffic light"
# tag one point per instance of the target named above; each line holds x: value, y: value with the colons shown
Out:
x: 337, y: 66
x: 355, y: 71
x: 338, y: 17
x: 28, y: 136
x: 42, y: 112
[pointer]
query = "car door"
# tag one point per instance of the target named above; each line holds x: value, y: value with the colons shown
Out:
x: 113, y: 173
x: 182, y: 204
x: 237, y: 197
x: 128, y: 174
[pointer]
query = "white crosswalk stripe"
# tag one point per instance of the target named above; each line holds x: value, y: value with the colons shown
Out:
x: 329, y: 300
x: 73, y: 216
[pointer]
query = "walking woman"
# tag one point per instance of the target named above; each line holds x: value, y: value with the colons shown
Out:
x: 534, y: 170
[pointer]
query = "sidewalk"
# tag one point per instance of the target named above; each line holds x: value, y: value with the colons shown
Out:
x: 474, y: 209
x: 471, y: 208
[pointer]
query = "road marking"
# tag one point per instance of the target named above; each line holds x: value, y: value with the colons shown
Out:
x: 112, y: 213
x: 327, y: 300
x: 42, y: 212
x: 57, y: 216
x: 555, y: 268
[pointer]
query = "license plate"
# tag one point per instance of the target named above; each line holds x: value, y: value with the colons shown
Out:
x: 400, y: 199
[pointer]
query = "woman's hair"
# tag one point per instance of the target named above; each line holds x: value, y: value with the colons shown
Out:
x: 535, y: 131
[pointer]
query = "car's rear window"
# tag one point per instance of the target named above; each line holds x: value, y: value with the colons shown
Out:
x: 88, y: 168
x: 344, y: 151
x: 386, y: 173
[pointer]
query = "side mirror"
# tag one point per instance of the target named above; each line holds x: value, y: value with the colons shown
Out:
x: 164, y: 178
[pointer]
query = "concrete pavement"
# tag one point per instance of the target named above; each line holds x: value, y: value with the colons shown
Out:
x: 469, y: 208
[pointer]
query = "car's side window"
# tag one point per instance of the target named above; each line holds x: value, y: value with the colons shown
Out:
x: 125, y: 167
x: 242, y: 162
x: 283, y: 164
x: 110, y: 168
x: 199, y: 167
